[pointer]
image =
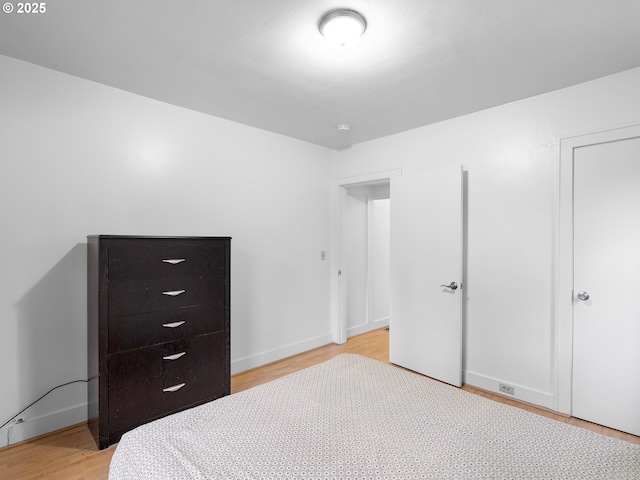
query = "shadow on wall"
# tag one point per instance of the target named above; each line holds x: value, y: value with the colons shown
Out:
x: 52, y: 336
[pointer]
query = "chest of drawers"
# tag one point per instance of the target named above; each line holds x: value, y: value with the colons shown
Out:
x: 158, y: 328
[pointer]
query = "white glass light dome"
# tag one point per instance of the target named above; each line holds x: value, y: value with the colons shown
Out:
x: 343, y: 28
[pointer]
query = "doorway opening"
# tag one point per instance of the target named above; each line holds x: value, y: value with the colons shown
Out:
x: 365, y: 219
x: 425, y: 270
x: 360, y: 300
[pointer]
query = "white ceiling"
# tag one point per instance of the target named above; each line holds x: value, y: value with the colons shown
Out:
x: 264, y: 63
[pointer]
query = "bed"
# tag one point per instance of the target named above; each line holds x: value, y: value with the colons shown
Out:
x: 356, y: 418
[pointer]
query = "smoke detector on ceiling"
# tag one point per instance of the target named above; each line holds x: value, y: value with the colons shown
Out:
x: 343, y: 127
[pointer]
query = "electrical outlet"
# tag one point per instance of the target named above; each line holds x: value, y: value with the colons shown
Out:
x: 504, y: 388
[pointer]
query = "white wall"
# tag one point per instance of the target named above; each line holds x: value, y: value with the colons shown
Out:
x: 355, y: 257
x: 511, y: 154
x: 379, y: 253
x: 379, y: 260
x: 80, y: 158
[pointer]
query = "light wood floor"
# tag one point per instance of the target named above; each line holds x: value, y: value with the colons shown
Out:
x: 71, y: 454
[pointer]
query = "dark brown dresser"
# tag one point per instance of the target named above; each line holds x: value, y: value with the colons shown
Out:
x: 158, y: 331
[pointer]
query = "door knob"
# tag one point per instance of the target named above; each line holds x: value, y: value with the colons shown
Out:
x: 583, y: 296
x: 452, y: 286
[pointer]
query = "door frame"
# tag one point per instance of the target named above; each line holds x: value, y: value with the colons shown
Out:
x: 564, y: 261
x: 339, y: 192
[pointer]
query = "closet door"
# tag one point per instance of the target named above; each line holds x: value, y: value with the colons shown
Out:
x: 606, y: 303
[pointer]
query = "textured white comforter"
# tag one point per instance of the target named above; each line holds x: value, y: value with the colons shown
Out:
x: 353, y: 417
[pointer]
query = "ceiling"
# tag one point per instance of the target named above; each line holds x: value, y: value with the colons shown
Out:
x: 263, y: 62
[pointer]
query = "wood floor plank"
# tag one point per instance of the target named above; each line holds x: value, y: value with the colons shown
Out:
x: 71, y: 454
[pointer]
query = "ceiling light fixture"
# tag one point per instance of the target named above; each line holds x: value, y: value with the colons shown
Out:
x: 342, y: 27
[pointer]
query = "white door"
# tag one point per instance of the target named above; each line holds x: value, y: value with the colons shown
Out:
x: 606, y: 308
x: 426, y: 273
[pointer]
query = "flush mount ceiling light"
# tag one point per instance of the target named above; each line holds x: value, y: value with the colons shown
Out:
x: 342, y: 27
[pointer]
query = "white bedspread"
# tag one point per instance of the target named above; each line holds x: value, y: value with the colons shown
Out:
x: 353, y: 417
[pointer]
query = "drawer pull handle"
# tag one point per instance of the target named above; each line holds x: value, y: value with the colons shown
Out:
x: 174, y: 293
x: 173, y: 324
x: 175, y: 388
x: 174, y: 261
x: 175, y: 356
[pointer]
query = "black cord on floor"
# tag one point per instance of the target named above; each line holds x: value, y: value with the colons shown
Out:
x: 36, y: 401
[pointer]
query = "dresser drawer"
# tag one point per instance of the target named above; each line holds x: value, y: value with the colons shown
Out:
x: 131, y: 260
x: 145, y: 401
x: 134, y: 331
x: 142, y: 364
x: 143, y: 296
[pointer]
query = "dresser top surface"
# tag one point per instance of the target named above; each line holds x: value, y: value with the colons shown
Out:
x: 157, y: 237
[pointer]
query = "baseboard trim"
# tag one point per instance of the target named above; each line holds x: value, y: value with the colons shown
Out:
x: 45, y: 424
x: 82, y: 424
x: 368, y: 327
x: 529, y: 395
x: 254, y: 361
